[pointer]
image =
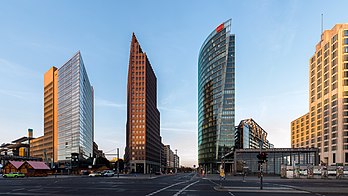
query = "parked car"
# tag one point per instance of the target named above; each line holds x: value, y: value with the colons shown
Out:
x: 14, y: 175
x: 108, y: 173
x: 95, y: 174
x: 84, y: 172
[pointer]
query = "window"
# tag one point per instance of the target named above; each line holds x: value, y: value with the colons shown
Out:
x: 346, y: 34
x: 345, y: 40
x: 346, y: 49
x: 333, y: 157
x: 334, y: 38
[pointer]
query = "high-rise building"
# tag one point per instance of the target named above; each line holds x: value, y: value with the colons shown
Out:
x: 326, y: 125
x: 46, y: 145
x: 68, y: 113
x: 143, y: 141
x: 75, y: 110
x: 216, y: 96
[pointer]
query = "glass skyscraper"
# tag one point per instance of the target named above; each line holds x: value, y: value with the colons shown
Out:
x: 75, y: 110
x: 216, y: 97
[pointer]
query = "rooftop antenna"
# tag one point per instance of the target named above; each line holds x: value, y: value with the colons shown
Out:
x: 322, y: 25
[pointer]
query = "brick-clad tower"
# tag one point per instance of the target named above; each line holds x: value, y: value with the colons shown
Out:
x: 143, y: 141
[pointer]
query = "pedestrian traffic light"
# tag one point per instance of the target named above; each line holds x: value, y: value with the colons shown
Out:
x: 262, y: 157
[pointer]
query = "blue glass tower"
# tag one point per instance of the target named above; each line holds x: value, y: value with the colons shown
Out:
x: 75, y: 110
x: 216, y: 97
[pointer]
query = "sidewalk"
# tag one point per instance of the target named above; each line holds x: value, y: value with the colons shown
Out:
x: 267, y: 178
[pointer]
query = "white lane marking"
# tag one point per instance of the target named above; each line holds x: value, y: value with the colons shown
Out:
x: 165, y: 188
x: 231, y: 193
x: 182, y: 190
x: 212, y: 181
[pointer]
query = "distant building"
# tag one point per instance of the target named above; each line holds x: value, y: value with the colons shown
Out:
x: 96, y: 152
x: 325, y: 126
x: 216, y: 93
x: 169, y: 159
x: 163, y: 159
x: 68, y: 113
x: 250, y: 135
x: 176, y: 162
x: 18, y: 147
x: 143, y: 141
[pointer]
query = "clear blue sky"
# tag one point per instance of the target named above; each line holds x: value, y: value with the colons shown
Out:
x: 274, y: 41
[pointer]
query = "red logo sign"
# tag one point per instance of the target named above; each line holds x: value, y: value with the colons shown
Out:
x: 219, y: 28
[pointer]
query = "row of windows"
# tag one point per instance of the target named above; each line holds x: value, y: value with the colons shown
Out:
x: 138, y: 142
x: 138, y: 121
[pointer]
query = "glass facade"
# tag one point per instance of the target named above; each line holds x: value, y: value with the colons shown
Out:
x: 247, y: 158
x: 75, y: 110
x: 216, y: 98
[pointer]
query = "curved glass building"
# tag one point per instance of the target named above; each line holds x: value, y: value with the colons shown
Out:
x: 216, y: 97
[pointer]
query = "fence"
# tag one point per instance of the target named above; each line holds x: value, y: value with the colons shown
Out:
x: 310, y: 171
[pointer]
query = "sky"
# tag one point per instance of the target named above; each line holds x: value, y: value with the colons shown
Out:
x: 274, y: 41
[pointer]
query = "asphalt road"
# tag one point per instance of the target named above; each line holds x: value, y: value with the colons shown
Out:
x: 174, y: 185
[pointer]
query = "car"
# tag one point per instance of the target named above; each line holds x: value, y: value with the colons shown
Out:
x: 14, y: 175
x: 108, y: 173
x: 95, y: 174
x: 84, y: 172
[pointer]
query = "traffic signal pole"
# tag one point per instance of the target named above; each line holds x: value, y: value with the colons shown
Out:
x: 118, y: 162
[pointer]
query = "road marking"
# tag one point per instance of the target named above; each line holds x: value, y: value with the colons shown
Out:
x: 212, y: 181
x: 231, y: 193
x: 182, y: 190
x: 165, y: 188
x: 18, y: 189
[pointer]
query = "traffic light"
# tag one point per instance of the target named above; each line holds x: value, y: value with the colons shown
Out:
x: 262, y: 157
x: 265, y: 156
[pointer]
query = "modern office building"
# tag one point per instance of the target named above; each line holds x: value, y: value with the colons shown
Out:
x: 216, y: 96
x: 326, y: 125
x: 75, y: 110
x: 143, y: 140
x: 45, y: 146
x: 68, y: 114
x: 250, y: 135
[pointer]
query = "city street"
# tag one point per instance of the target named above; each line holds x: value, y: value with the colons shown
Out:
x: 179, y: 184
